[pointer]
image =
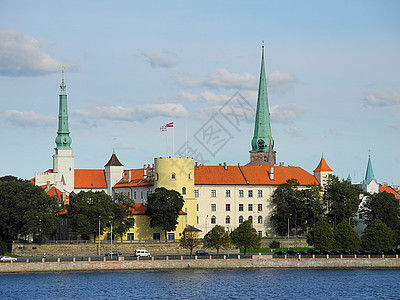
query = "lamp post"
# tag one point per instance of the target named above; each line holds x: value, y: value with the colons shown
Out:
x: 111, y: 240
x: 98, y: 252
x: 206, y: 222
x: 288, y: 230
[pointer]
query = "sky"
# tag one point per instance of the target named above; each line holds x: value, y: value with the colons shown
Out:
x: 333, y: 79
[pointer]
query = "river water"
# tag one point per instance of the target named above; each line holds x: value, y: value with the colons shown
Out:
x: 204, y: 284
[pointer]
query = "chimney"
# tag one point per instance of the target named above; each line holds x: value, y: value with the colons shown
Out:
x: 129, y: 176
x: 220, y: 164
x: 271, y: 174
x: 225, y: 166
x: 144, y: 172
x: 281, y: 164
x: 197, y: 164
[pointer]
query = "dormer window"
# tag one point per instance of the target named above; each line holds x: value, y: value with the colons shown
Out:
x: 173, y: 176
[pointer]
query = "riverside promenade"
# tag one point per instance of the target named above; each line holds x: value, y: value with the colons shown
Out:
x: 256, y: 261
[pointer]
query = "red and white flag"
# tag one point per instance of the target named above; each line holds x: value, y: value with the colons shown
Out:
x: 170, y: 124
x: 164, y: 128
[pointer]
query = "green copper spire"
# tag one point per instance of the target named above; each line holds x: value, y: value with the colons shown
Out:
x: 262, y: 140
x: 369, y: 175
x: 63, y: 140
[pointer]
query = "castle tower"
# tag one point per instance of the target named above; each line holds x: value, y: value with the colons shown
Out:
x: 114, y: 172
x: 262, y: 145
x: 177, y: 174
x: 370, y: 184
x: 322, y: 172
x: 63, y: 160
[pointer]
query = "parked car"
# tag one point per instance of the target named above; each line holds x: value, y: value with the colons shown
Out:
x: 304, y: 253
x: 391, y: 252
x: 356, y: 252
x: 142, y: 253
x: 336, y: 252
x: 292, y: 252
x: 113, y: 253
x: 280, y: 253
x: 326, y: 252
x: 376, y: 252
x: 201, y: 253
x: 8, y: 258
x: 313, y: 251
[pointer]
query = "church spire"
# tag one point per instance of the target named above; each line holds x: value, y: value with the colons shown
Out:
x: 262, y: 143
x: 63, y: 140
x: 369, y: 175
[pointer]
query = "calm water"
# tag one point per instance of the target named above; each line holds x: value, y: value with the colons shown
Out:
x: 205, y: 284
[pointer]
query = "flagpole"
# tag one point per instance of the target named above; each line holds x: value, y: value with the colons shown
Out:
x: 173, y: 141
x: 167, y: 141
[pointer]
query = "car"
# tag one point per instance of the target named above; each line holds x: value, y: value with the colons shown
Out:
x: 280, y: 253
x: 336, y: 252
x: 355, y: 252
x: 201, y: 253
x: 113, y: 253
x: 376, y: 252
x: 142, y: 253
x: 326, y: 252
x: 292, y: 252
x: 391, y: 252
x: 304, y: 253
x: 8, y: 258
x: 313, y: 251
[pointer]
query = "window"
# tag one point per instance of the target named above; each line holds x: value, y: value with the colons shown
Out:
x: 259, y: 206
x: 250, y: 207
x: 197, y: 207
x: 250, y: 193
x: 173, y: 176
x: 227, y: 207
x: 171, y: 236
x: 196, y: 193
x: 227, y: 219
x: 213, y: 193
x: 241, y: 194
x: 130, y: 236
x: 251, y: 219
x: 240, y: 207
x: 156, y: 236
x: 260, y: 233
x: 260, y: 220
x: 157, y: 177
x: 197, y: 219
x: 130, y: 222
x: 134, y: 195
x: 213, y: 207
x: 141, y: 194
x: 213, y: 220
x: 228, y: 193
x: 240, y: 219
x: 184, y: 191
x: 190, y: 176
x: 259, y: 194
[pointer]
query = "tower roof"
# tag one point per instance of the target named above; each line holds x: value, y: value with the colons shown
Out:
x: 369, y: 174
x: 323, y: 166
x: 114, y: 161
x: 63, y: 140
x: 262, y: 138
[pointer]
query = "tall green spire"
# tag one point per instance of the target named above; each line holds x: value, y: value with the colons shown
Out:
x: 63, y: 140
x: 262, y: 140
x: 369, y: 175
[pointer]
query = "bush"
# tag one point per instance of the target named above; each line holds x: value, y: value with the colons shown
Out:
x: 275, y: 244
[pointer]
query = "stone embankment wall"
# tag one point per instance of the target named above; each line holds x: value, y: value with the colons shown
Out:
x: 257, y: 261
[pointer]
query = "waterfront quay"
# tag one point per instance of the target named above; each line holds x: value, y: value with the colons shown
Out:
x: 253, y: 261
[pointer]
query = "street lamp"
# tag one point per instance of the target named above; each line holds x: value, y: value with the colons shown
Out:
x: 111, y: 240
x: 98, y: 252
x: 288, y: 231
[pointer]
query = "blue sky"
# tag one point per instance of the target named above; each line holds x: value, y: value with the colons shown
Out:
x: 132, y: 66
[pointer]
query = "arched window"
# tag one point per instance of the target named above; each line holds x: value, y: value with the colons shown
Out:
x: 173, y: 176
x: 190, y: 176
x: 250, y: 219
x: 227, y: 219
x: 184, y: 191
x: 157, y: 177
x: 260, y: 220
x: 240, y: 219
x: 213, y: 220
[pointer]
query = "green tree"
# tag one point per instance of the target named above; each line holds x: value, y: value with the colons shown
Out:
x: 321, y: 237
x: 216, y: 238
x: 189, y: 240
x: 341, y: 199
x: 163, y: 207
x: 245, y: 236
x: 122, y: 209
x: 25, y: 210
x: 346, y: 237
x: 86, y: 209
x: 378, y: 235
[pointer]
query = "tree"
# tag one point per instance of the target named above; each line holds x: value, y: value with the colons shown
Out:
x: 25, y: 210
x: 216, y: 238
x: 346, y: 237
x: 378, y: 235
x: 321, y: 237
x: 341, y: 199
x: 122, y: 209
x: 86, y: 209
x: 190, y: 239
x: 163, y: 207
x: 245, y: 236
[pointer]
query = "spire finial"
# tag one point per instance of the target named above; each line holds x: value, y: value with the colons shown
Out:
x: 113, y: 150
x: 369, y: 153
x: 322, y: 155
x: 62, y: 85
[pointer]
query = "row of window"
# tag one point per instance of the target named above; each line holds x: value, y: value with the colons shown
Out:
x: 130, y: 236
x: 241, y: 219
x: 250, y: 207
x: 250, y: 193
x: 173, y: 176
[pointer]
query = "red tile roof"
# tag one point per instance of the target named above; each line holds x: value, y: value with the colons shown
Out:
x: 323, y: 166
x: 389, y: 189
x: 136, y: 178
x: 90, y: 179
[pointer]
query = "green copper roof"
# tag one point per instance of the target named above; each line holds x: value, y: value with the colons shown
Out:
x: 262, y: 128
x: 369, y: 175
x: 63, y: 140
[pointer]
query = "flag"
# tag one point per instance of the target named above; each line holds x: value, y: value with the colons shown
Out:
x: 163, y: 128
x: 170, y: 124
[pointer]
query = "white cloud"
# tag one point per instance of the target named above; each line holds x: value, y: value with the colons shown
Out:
x: 23, y: 55
x: 378, y: 98
x: 28, y: 118
x: 281, y: 82
x: 158, y: 61
x: 286, y: 113
x: 221, y: 78
x: 295, y: 131
x: 205, y: 97
x: 137, y: 113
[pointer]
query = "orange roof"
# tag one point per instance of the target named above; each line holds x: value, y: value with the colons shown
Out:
x: 323, y: 166
x: 141, y: 210
x: 252, y: 175
x: 389, y: 189
x: 136, y: 178
x: 90, y: 179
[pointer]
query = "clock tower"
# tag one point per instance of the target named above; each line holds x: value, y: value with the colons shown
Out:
x: 262, y: 145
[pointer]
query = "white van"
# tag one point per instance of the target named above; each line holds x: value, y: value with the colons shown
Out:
x: 144, y: 253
